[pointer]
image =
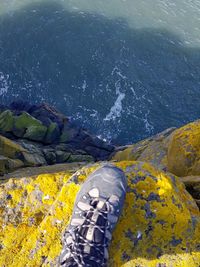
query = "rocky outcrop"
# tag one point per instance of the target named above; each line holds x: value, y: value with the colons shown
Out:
x: 160, y: 222
x: 159, y: 226
x: 175, y: 150
x: 184, y: 150
x: 153, y: 150
x: 42, y: 123
x: 46, y: 137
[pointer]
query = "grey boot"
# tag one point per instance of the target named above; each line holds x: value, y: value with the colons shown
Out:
x: 96, y: 211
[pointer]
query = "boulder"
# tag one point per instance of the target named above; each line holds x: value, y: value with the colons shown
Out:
x: 48, y: 114
x: 36, y: 133
x: 9, y: 148
x: 50, y: 155
x: 6, y: 121
x: 33, y: 159
x: 153, y: 150
x: 184, y: 150
x: 52, y: 134
x: 69, y: 133
x: 28, y: 126
x: 8, y: 165
x: 159, y: 225
x: 62, y: 156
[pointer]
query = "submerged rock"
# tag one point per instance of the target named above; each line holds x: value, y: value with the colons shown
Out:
x: 159, y: 226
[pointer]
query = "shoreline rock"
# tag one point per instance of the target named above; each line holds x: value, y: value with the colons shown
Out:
x: 159, y: 226
x: 44, y: 159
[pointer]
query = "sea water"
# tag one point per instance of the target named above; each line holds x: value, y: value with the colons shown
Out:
x: 125, y: 69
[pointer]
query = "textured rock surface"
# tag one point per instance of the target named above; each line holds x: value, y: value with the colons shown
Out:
x: 46, y: 126
x: 153, y: 150
x: 159, y: 226
x: 184, y: 150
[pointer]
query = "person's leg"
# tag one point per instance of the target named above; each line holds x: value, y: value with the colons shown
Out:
x: 96, y: 211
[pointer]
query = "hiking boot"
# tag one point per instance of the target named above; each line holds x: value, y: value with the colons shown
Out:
x: 96, y: 211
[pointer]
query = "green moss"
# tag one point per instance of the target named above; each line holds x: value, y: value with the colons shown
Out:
x: 23, y: 122
x: 6, y: 121
x: 36, y: 133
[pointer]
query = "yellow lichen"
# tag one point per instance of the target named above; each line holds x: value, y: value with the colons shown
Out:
x: 184, y: 150
x: 160, y: 223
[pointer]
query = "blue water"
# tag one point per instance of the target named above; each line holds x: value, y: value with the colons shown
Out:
x: 124, y: 69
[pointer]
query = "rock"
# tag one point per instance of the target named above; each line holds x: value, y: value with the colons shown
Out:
x: 153, y: 150
x: 8, y: 165
x: 33, y: 159
x: 15, y: 156
x: 69, y: 133
x: 10, y: 148
x: 47, y: 114
x: 36, y: 133
x: 159, y: 226
x: 80, y: 158
x: 50, y: 155
x: 26, y: 125
x: 184, y: 150
x: 52, y: 134
x: 62, y: 156
x: 32, y: 154
x: 192, y: 184
x: 6, y: 121
x: 19, y: 106
x: 44, y: 124
x: 3, y: 163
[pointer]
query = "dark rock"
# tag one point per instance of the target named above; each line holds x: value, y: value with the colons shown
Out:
x: 50, y: 156
x: 62, y: 156
x: 69, y: 134
x: 80, y: 158
x: 47, y: 114
x: 20, y: 105
x: 52, y: 134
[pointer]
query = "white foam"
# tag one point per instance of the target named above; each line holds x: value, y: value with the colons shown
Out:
x: 148, y: 125
x: 116, y: 109
x: 4, y: 85
x: 84, y: 85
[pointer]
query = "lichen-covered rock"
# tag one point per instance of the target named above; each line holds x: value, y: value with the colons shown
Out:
x: 7, y: 165
x: 27, y: 126
x: 10, y: 148
x: 153, y: 150
x: 159, y: 226
x: 184, y: 150
x: 36, y: 133
x: 6, y: 121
